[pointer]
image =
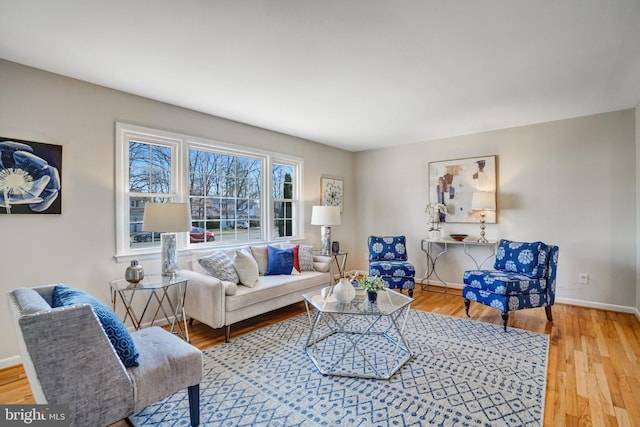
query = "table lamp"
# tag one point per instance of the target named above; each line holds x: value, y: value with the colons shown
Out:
x: 169, y: 219
x: 326, y: 216
x: 483, y: 201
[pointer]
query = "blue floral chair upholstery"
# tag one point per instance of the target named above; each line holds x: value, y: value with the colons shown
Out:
x: 388, y: 259
x: 523, y: 276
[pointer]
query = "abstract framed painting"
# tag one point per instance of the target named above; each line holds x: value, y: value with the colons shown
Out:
x: 453, y: 182
x: 30, y: 177
x: 331, y: 190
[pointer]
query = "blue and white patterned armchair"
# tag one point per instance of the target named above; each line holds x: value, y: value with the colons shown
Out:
x: 524, y: 276
x: 388, y: 259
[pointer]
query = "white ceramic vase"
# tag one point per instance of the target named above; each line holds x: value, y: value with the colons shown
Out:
x: 344, y: 291
x: 434, y: 234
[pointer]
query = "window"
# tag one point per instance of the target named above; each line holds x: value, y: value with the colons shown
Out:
x: 224, y: 193
x: 223, y: 183
x: 283, y: 200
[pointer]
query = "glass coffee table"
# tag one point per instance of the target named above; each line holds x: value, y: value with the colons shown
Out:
x: 358, y: 339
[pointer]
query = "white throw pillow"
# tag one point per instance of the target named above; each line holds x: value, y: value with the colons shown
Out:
x: 246, y: 267
x: 219, y: 265
x: 260, y: 255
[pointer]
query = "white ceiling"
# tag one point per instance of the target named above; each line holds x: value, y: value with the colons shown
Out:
x: 355, y: 74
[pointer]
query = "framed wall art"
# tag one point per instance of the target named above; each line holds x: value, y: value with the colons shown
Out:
x: 331, y: 192
x: 453, y: 182
x: 30, y: 175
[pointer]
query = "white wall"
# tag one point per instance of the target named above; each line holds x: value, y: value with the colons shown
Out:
x: 569, y: 182
x: 77, y: 247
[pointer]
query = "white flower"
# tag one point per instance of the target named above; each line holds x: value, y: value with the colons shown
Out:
x: 434, y: 210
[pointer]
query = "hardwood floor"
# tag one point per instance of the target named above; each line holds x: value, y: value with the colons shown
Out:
x: 594, y: 358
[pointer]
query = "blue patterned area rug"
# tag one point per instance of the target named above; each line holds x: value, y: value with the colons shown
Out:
x: 463, y: 373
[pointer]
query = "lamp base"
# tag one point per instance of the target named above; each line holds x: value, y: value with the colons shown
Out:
x: 169, y: 254
x: 482, y: 239
x: 325, y: 239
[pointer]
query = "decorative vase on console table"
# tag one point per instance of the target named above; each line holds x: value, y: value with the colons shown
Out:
x: 436, y: 213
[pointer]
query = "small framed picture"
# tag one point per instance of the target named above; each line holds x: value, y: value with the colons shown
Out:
x: 331, y: 192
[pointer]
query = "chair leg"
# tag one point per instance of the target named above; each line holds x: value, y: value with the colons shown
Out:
x: 467, y: 303
x: 194, y: 404
x: 227, y: 333
x: 410, y: 293
x: 505, y: 319
x: 547, y: 310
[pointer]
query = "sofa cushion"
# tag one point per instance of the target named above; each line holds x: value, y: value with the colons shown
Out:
x: 529, y: 259
x: 279, y: 261
x: 114, y: 327
x: 246, y: 267
x: 504, y: 282
x: 219, y: 265
x: 273, y: 287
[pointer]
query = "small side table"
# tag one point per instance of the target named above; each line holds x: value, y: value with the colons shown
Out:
x: 341, y: 261
x: 157, y: 287
x: 340, y: 258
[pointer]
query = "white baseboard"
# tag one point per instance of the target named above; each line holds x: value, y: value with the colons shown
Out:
x: 441, y: 285
x: 10, y: 361
x: 570, y: 301
x: 602, y: 306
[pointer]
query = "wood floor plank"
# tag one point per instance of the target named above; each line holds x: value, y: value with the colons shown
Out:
x: 594, y: 357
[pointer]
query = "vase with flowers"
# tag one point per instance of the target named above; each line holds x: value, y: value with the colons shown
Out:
x: 373, y: 285
x: 435, y: 212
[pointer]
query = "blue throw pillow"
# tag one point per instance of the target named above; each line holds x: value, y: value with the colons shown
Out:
x: 279, y: 261
x: 111, y: 323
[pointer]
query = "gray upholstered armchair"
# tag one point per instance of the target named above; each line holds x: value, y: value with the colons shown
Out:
x: 69, y: 359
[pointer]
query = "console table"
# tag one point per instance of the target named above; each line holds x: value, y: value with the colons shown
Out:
x: 436, y: 248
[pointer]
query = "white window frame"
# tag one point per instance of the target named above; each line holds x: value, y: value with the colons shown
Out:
x: 298, y: 229
x: 180, y: 145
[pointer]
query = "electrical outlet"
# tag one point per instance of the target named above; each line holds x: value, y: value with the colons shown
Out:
x: 583, y: 278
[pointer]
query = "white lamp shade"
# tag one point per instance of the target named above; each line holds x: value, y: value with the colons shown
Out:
x: 483, y: 201
x: 325, y: 215
x: 166, y: 217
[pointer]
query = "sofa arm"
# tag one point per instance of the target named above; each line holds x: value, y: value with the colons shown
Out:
x: 205, y: 300
x: 322, y: 263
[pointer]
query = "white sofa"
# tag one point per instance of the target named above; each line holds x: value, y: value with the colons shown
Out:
x: 219, y: 303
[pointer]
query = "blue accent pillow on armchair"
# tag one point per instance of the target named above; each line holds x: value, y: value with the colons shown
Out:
x: 279, y: 261
x: 111, y: 323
